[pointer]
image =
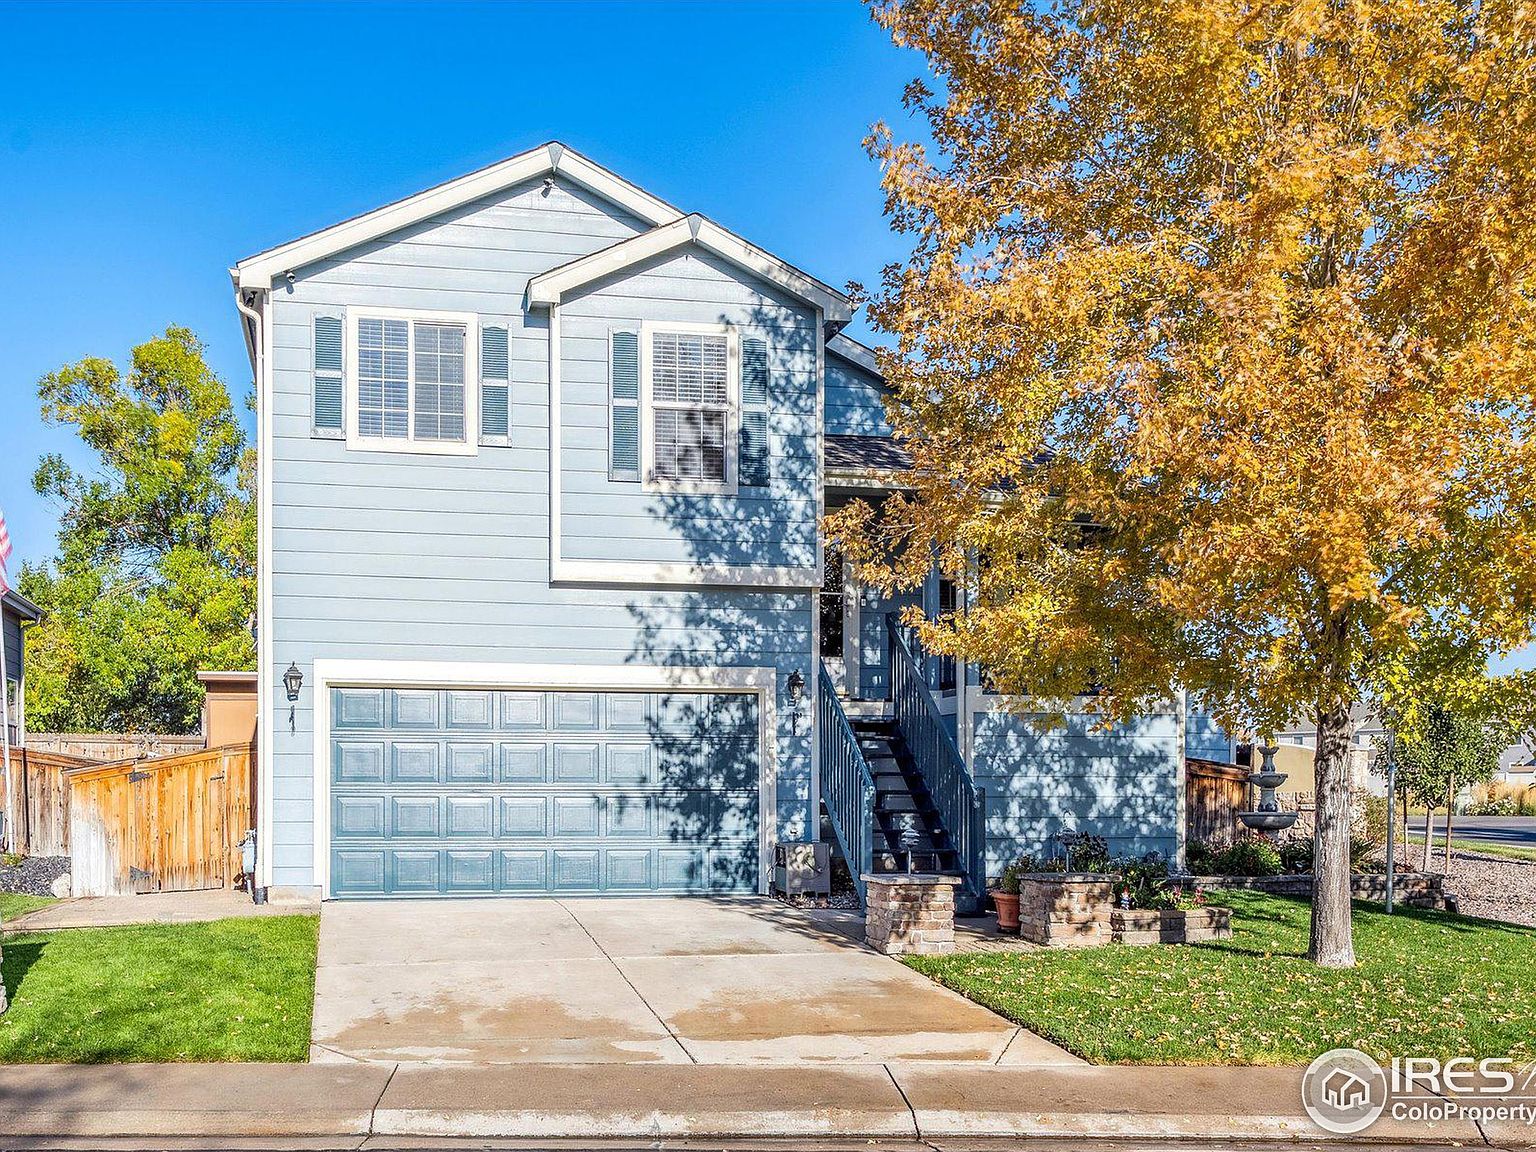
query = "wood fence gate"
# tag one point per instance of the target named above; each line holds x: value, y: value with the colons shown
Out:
x: 1213, y: 796
x: 164, y: 825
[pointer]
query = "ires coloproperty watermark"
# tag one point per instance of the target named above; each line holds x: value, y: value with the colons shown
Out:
x: 1345, y: 1091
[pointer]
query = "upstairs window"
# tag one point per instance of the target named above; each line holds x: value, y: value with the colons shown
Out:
x: 692, y: 392
x: 412, y: 383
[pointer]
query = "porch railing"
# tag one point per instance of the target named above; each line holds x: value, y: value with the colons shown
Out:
x: 961, y: 805
x: 847, y: 786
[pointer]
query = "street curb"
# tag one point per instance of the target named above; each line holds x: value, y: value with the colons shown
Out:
x: 900, y: 1102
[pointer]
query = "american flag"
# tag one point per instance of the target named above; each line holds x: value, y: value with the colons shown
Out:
x: 5, y: 553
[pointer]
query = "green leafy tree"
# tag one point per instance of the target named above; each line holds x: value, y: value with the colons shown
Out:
x: 155, y: 574
x: 1441, y: 752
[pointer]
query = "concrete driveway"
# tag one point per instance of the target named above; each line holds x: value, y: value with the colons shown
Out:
x: 665, y: 979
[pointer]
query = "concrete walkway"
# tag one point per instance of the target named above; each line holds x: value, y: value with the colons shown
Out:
x: 152, y: 908
x: 666, y: 980
x: 942, y: 1104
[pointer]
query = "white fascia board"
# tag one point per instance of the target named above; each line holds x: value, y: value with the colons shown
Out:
x: 258, y: 271
x: 855, y: 353
x: 550, y: 287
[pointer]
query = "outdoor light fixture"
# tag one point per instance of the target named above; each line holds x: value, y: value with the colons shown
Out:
x: 796, y: 687
x: 293, y: 680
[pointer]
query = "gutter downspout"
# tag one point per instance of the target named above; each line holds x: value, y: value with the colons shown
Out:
x: 254, y: 344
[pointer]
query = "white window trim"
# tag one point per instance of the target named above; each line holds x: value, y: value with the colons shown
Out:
x: 359, y: 443
x: 648, y: 478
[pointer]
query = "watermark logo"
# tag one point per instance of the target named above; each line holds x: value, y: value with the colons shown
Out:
x: 1344, y: 1091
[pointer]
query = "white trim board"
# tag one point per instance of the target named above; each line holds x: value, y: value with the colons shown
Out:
x: 554, y: 158
x: 549, y: 288
x: 762, y: 682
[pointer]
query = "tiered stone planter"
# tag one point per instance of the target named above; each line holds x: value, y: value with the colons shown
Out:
x: 910, y: 915
x: 1169, y: 926
x: 1065, y: 909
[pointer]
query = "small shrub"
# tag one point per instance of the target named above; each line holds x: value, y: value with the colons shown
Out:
x: 1085, y: 852
x: 1008, y: 882
x: 1200, y: 857
x: 1249, y: 856
x: 1296, y: 854
x: 1372, y: 825
x: 1144, y: 882
x: 1362, y: 853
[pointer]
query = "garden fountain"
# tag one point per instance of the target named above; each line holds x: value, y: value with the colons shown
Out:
x: 1267, y: 817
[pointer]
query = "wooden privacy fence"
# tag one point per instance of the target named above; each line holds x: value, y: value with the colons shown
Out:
x: 1214, y: 794
x: 37, y: 811
x: 163, y: 825
x: 104, y: 747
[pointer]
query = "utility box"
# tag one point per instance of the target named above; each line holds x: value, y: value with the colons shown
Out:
x: 801, y: 869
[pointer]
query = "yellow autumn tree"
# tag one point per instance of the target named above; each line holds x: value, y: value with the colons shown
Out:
x: 1215, y: 355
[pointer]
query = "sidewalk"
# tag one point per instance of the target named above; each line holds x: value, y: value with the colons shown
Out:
x: 344, y: 1106
x: 151, y: 908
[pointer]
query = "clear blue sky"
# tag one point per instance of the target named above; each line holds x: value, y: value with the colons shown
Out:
x: 144, y: 149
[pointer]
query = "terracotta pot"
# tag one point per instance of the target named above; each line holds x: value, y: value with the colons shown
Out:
x: 1007, y: 906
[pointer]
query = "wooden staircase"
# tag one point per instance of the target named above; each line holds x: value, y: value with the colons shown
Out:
x: 908, y: 833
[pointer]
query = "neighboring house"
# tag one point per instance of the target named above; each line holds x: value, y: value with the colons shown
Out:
x: 229, y: 708
x: 15, y: 612
x: 543, y: 461
x: 1517, y: 765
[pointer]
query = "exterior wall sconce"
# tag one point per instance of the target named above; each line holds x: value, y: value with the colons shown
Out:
x: 293, y: 680
x: 796, y: 689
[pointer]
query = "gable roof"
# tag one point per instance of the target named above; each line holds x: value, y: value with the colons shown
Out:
x: 861, y: 355
x: 21, y: 606
x: 549, y: 287
x: 258, y: 271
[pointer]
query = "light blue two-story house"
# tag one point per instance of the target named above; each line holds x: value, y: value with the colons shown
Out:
x: 544, y: 604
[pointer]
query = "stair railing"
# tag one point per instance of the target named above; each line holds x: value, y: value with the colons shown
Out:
x: 961, y: 805
x: 847, y: 785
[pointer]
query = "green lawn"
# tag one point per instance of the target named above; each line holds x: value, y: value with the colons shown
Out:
x: 13, y: 904
x: 228, y: 990
x: 1427, y: 984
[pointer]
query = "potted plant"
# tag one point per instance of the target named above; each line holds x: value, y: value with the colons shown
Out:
x: 1005, y: 897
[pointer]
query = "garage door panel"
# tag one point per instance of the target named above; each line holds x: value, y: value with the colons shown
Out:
x: 415, y: 762
x: 469, y: 792
x: 525, y: 816
x: 470, y: 763
x: 414, y: 871
x: 575, y: 711
x: 358, y: 761
x: 524, y: 763
x: 575, y: 869
x: 470, y: 816
x: 415, y: 816
x: 629, y: 816
x: 524, y: 871
x: 471, y: 871
x: 414, y: 708
x: 358, y: 817
x: 628, y: 764
x: 471, y: 710
x: 576, y: 763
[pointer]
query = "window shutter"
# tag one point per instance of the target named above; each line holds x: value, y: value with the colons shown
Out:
x: 752, y: 460
x: 495, y: 405
x: 327, y: 384
x: 624, y: 406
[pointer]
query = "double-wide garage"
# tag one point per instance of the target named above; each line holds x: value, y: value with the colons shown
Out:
x: 470, y: 791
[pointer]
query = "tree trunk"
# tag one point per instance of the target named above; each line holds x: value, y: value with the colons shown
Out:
x: 1429, y: 835
x: 1332, y: 944
x: 1450, y: 812
x: 1404, y: 793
